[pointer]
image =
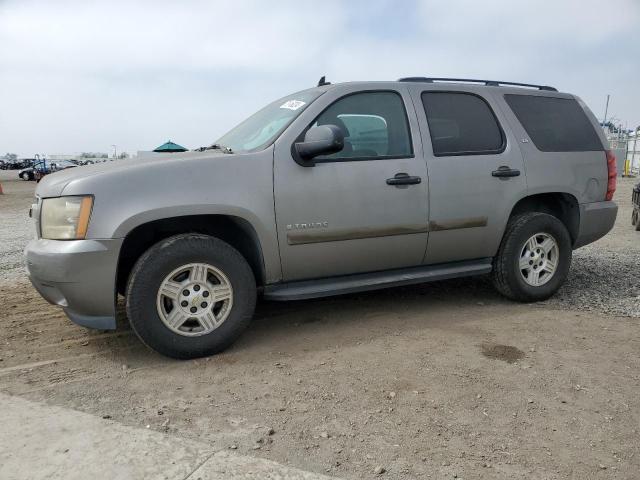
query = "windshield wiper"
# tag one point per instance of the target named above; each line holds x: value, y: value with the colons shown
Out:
x: 215, y: 146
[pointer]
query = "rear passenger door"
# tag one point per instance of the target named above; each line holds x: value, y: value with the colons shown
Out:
x: 476, y: 171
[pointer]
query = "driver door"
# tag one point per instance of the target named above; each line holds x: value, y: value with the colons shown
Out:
x: 342, y: 215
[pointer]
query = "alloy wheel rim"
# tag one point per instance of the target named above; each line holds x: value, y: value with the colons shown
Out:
x: 539, y: 259
x: 194, y: 299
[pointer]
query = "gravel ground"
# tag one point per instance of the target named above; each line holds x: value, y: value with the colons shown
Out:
x: 441, y: 380
x: 17, y: 228
x: 605, y: 276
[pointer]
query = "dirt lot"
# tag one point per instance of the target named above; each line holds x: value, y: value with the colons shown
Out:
x: 431, y: 381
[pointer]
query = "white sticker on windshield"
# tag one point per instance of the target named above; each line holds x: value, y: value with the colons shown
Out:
x: 292, y: 104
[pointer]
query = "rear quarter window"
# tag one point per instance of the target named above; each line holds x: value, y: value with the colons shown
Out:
x: 555, y: 124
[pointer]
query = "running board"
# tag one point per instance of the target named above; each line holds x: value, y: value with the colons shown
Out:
x: 361, y: 282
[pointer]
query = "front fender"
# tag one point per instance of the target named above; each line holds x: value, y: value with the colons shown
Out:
x: 200, y: 184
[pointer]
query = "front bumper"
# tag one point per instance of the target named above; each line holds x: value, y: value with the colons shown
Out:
x: 79, y: 276
x: 596, y: 220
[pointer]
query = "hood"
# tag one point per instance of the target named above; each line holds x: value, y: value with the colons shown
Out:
x: 54, y: 184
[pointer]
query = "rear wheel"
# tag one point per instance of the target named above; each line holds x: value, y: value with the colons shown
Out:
x: 635, y: 220
x: 190, y: 296
x: 534, y: 257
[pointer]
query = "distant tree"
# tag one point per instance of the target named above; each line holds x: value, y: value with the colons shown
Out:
x: 12, y: 157
x: 123, y: 155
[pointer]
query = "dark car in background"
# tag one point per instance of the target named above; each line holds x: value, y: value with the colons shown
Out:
x: 16, y: 164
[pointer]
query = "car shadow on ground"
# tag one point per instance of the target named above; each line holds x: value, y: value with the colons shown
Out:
x: 352, y: 317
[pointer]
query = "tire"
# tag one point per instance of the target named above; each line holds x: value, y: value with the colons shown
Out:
x: 534, y: 227
x: 188, y: 253
x: 637, y: 220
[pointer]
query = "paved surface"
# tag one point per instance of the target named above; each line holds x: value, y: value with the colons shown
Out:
x: 44, y: 442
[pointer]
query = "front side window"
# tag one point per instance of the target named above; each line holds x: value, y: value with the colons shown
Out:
x: 374, y: 125
x: 461, y: 124
x: 263, y: 127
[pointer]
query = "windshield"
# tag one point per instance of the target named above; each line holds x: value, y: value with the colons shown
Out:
x: 263, y: 127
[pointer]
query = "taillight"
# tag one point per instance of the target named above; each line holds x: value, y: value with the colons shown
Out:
x: 612, y: 174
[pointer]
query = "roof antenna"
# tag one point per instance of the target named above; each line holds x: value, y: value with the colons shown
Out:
x: 323, y: 81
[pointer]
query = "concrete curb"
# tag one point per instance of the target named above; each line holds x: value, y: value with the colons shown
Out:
x: 46, y: 442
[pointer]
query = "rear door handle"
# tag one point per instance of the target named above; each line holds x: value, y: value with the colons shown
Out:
x: 403, y: 179
x: 505, y: 172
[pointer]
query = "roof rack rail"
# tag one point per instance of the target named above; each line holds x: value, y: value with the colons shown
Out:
x: 491, y: 83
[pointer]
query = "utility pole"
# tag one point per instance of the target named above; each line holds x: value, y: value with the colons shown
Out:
x: 606, y: 110
x: 115, y: 152
x: 635, y: 142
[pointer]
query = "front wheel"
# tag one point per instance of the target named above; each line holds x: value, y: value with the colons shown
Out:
x: 190, y: 296
x: 533, y: 259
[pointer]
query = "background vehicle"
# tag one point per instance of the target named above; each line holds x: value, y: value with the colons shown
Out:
x: 58, y: 165
x: 41, y: 168
x: 332, y: 190
x: 27, y: 172
x: 16, y: 164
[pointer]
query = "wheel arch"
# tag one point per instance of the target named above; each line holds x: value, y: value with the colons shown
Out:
x: 234, y: 230
x: 564, y: 206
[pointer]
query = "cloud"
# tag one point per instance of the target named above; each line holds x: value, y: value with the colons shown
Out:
x: 82, y: 75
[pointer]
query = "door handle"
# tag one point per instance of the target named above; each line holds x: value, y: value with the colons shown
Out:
x: 403, y: 179
x: 505, y: 172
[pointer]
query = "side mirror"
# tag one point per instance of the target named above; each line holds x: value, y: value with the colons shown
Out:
x: 322, y: 140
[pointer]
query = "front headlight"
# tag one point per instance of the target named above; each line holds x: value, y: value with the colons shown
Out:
x: 65, y: 218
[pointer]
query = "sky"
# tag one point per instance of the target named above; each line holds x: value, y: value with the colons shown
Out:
x: 83, y: 75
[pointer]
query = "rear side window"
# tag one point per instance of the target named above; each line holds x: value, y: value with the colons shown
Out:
x: 555, y: 124
x: 461, y: 124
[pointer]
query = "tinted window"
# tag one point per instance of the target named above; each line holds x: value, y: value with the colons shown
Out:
x: 555, y: 124
x: 461, y: 123
x: 374, y: 125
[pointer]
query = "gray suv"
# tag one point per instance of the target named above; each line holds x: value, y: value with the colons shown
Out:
x: 335, y: 189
